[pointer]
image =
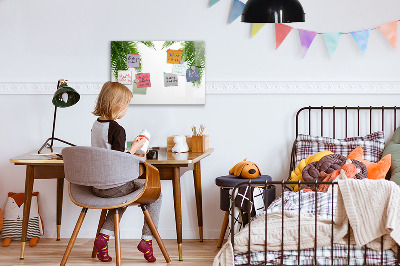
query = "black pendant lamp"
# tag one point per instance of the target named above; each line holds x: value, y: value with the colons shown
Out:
x: 273, y: 11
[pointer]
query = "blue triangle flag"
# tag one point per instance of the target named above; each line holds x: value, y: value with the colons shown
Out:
x: 332, y: 41
x: 213, y: 2
x: 237, y: 9
x: 361, y: 37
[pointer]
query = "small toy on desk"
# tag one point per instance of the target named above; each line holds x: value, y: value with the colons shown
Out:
x: 245, y: 169
x: 180, y: 144
x: 13, y: 215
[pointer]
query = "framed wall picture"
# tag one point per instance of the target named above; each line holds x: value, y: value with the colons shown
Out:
x: 160, y: 72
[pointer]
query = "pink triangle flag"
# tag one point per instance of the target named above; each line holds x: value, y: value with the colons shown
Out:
x: 306, y: 39
x: 281, y: 31
x: 389, y: 30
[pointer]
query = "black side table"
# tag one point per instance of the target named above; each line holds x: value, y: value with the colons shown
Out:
x: 226, y: 183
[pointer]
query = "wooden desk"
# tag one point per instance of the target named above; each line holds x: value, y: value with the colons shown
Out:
x: 171, y: 167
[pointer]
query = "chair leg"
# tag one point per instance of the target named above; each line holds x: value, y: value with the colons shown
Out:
x: 117, y: 239
x: 73, y: 237
x: 223, y: 229
x: 154, y: 230
x: 101, y: 222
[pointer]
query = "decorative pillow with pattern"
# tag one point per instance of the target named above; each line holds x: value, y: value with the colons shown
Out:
x: 372, y: 145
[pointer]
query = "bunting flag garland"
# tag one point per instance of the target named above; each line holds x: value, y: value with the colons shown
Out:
x: 281, y: 31
x: 306, y: 39
x: 389, y: 30
x: 213, y: 2
x: 256, y: 28
x: 361, y: 37
x: 237, y: 9
x: 332, y: 41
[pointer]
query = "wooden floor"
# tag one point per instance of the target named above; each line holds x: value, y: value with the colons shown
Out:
x: 50, y: 252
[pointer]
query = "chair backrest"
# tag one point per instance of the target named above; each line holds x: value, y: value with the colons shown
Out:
x: 92, y: 166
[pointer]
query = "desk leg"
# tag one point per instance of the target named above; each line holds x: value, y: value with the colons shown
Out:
x: 27, y: 206
x: 197, y: 189
x: 60, y: 190
x: 176, y: 182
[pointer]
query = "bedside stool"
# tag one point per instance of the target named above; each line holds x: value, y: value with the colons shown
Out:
x: 226, y: 183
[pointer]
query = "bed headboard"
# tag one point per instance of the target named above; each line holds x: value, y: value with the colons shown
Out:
x: 344, y: 121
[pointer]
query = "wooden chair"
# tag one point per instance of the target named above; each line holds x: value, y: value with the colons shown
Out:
x: 85, y: 167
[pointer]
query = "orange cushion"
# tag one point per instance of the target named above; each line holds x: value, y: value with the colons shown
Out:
x: 375, y: 170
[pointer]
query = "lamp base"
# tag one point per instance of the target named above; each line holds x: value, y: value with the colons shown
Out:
x: 50, y: 146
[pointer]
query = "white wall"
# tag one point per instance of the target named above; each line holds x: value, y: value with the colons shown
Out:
x: 47, y: 40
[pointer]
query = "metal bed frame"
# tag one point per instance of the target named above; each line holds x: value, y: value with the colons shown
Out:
x: 284, y: 183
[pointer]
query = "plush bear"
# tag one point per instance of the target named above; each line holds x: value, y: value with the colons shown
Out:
x: 180, y: 144
x: 13, y: 215
x: 245, y: 169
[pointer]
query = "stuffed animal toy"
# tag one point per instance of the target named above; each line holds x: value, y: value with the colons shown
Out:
x: 180, y: 144
x: 1, y: 220
x: 375, y: 170
x: 245, y: 169
x: 13, y: 215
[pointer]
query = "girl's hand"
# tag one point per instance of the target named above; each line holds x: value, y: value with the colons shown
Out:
x: 137, y: 144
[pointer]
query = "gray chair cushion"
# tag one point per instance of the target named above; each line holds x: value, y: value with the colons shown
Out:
x: 84, y: 196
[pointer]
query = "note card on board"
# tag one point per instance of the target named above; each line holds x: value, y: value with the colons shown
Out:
x: 133, y: 60
x: 192, y: 74
x: 170, y: 80
x: 179, y: 69
x: 144, y: 80
x: 174, y: 56
x: 125, y: 77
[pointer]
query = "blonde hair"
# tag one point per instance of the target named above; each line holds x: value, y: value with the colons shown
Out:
x: 112, y: 99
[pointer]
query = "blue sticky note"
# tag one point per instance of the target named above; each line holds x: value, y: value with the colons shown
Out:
x: 192, y: 75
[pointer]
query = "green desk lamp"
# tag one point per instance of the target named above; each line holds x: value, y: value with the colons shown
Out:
x: 65, y: 96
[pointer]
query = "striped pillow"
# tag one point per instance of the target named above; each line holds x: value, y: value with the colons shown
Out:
x: 372, y: 145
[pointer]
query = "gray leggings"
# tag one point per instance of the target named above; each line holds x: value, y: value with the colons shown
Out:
x: 154, y: 208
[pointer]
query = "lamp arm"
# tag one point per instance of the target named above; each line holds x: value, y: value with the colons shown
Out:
x: 54, y: 126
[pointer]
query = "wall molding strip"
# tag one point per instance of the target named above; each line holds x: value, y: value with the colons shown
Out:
x: 231, y: 87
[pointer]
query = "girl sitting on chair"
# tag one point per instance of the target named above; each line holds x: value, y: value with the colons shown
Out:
x: 112, y: 104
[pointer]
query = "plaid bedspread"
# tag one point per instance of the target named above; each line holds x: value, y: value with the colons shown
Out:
x: 307, y: 202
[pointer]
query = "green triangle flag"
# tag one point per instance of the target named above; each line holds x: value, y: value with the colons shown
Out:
x: 256, y: 28
x: 332, y: 41
x: 213, y: 2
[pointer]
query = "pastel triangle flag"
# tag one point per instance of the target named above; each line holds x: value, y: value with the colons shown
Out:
x: 361, y: 37
x: 237, y: 9
x: 281, y: 31
x: 389, y: 30
x: 213, y: 2
x: 256, y: 28
x: 332, y: 41
x: 306, y: 39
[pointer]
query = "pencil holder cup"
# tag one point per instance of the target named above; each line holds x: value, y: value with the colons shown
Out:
x: 200, y: 143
